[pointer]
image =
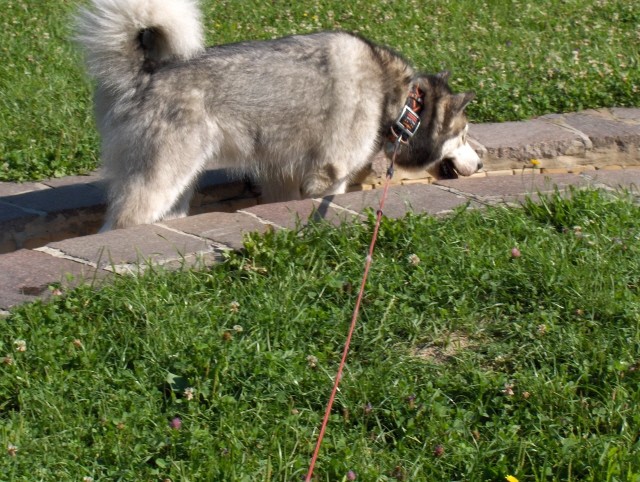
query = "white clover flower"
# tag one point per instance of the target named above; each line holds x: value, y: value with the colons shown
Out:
x: 189, y: 392
x: 12, y: 450
x: 413, y: 259
x: 312, y: 361
x: 508, y: 389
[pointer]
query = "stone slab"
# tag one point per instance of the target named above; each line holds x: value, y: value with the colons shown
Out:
x: 224, y: 228
x: 10, y: 213
x: 629, y: 114
x: 26, y: 275
x: 69, y: 197
x: 624, y: 178
x: 523, y: 141
x: 513, y: 188
x: 94, y: 179
x: 417, y: 198
x: 294, y: 214
x: 13, y: 188
x: 602, y: 131
x: 136, y: 245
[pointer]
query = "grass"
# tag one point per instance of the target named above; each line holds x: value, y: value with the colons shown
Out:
x: 523, y: 58
x: 470, y: 362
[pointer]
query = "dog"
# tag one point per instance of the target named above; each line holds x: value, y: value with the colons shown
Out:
x: 302, y: 114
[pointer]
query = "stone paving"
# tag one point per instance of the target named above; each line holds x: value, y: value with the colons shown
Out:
x: 46, y: 228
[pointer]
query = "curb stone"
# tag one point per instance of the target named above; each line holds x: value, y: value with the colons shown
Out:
x: 46, y: 228
x: 25, y: 275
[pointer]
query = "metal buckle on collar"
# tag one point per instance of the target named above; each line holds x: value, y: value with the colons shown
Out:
x: 408, y: 123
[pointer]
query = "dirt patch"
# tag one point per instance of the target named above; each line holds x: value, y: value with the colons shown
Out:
x: 442, y: 350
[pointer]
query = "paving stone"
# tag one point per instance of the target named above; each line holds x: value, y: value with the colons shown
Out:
x: 625, y: 178
x: 136, y: 245
x: 522, y: 141
x: 26, y: 275
x: 68, y: 197
x: 13, y: 188
x: 10, y: 213
x: 513, y: 188
x: 626, y: 114
x: 195, y: 261
x: 75, y: 204
x: 417, y: 198
x: 94, y: 179
x: 292, y: 214
x: 225, y: 228
x: 604, y: 132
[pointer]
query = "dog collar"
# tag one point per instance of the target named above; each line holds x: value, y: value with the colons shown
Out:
x: 408, y: 121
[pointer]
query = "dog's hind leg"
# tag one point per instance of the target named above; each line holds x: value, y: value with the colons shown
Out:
x: 143, y: 201
x: 181, y: 207
x: 155, y: 190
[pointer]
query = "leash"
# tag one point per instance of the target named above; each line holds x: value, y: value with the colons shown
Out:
x: 401, y: 131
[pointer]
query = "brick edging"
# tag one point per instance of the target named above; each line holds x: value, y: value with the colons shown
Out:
x: 588, y: 148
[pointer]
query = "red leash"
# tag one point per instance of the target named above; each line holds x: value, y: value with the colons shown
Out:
x: 401, y: 131
x: 354, y: 318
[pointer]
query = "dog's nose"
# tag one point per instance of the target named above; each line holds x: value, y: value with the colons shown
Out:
x: 480, y: 165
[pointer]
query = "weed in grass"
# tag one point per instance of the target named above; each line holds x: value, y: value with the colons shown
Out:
x: 522, y: 58
x: 470, y: 364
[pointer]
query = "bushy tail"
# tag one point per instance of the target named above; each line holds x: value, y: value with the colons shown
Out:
x: 124, y: 38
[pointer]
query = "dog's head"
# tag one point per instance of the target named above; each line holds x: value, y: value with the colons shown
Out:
x: 440, y: 144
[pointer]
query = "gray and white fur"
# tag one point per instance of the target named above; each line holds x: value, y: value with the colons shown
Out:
x: 301, y: 114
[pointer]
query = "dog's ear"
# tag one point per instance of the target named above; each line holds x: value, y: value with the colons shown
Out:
x: 460, y: 101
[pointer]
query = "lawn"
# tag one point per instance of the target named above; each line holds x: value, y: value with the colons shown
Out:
x: 491, y: 343
x: 523, y: 58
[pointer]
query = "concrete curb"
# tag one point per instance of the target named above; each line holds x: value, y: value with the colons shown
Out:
x: 45, y: 228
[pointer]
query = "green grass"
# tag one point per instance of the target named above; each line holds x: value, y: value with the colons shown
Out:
x: 523, y: 58
x: 527, y: 365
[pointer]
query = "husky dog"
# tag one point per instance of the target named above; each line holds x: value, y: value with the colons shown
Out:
x: 301, y: 114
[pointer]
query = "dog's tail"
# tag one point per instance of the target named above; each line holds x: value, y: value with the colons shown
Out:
x: 124, y: 39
